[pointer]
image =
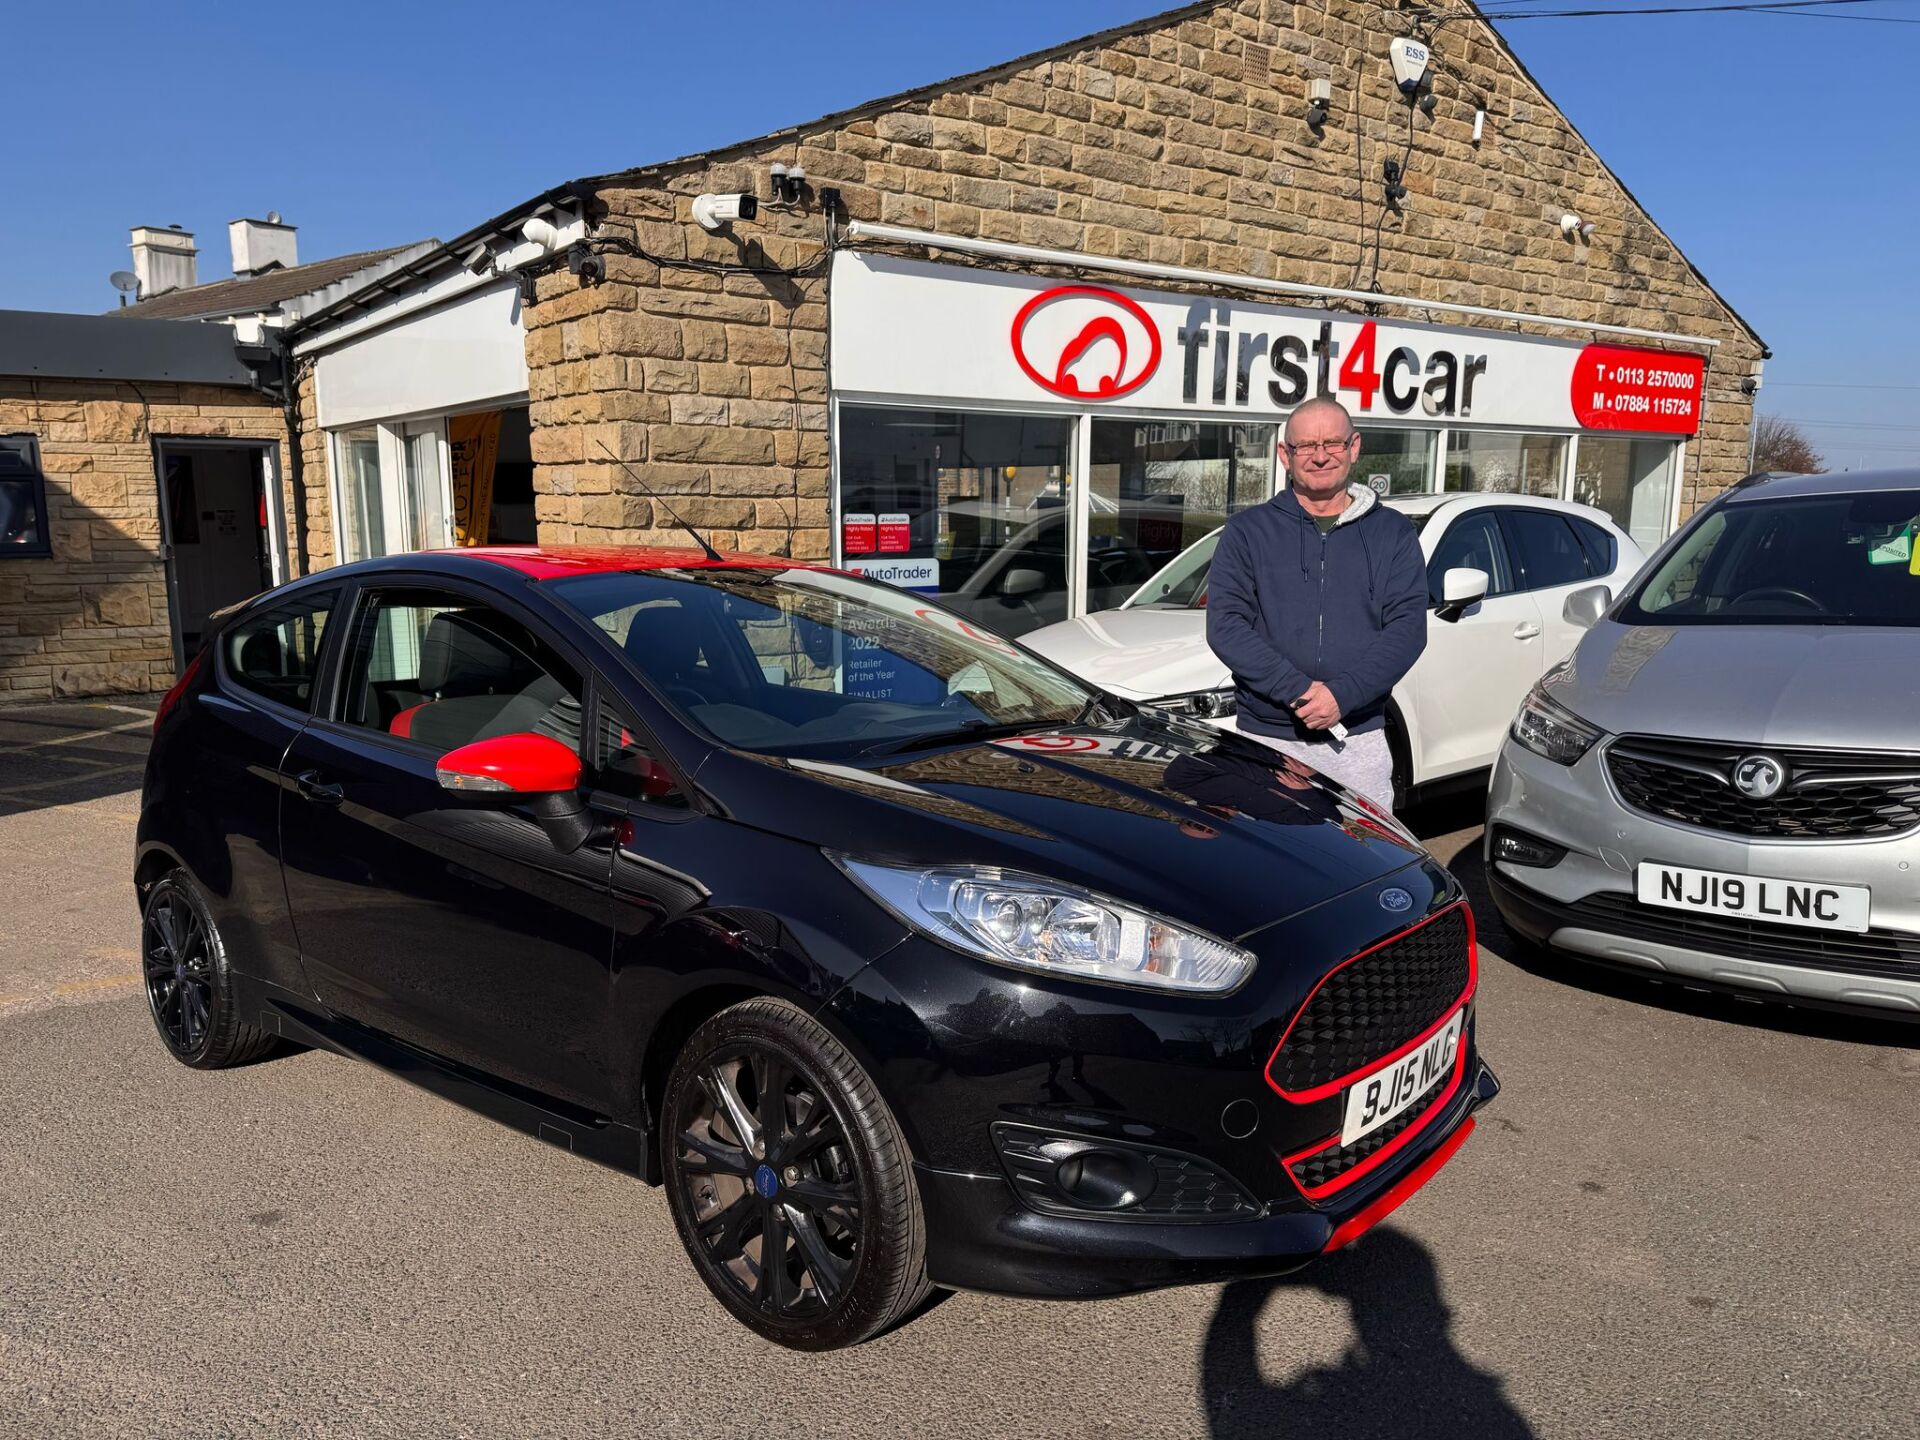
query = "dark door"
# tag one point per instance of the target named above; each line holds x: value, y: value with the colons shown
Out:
x: 451, y: 924
x: 215, y: 539
x: 267, y: 669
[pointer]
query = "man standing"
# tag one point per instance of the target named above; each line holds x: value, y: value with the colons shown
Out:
x: 1317, y: 601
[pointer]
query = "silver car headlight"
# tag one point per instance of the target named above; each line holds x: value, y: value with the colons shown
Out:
x: 1052, y: 927
x: 1552, y: 731
x: 1199, y: 704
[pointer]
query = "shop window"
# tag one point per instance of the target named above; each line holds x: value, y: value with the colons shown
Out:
x: 1632, y: 480
x: 392, y: 487
x: 971, y: 508
x: 1493, y: 462
x: 1159, y: 486
x: 276, y: 654
x: 1396, y: 462
x: 23, y: 499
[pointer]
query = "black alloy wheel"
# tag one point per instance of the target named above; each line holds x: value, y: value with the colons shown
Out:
x: 189, y: 992
x: 789, y: 1181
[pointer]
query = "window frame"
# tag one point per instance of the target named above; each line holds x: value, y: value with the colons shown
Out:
x: 1510, y: 529
x: 1489, y: 515
x: 323, y: 661
x: 42, y: 549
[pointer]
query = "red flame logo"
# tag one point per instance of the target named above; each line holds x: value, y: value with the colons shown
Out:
x: 1108, y: 327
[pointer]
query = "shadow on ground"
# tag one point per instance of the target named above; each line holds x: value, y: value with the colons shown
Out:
x: 63, y: 754
x: 1401, y: 1376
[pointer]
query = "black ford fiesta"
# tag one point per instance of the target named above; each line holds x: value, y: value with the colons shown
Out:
x: 901, y: 958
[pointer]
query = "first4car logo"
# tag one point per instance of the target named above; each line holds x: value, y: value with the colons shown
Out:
x: 1085, y: 342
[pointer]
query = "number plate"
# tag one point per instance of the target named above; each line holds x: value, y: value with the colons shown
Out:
x: 1755, y: 897
x: 1375, y: 1099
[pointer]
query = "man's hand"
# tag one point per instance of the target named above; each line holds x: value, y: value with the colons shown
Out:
x: 1317, y: 709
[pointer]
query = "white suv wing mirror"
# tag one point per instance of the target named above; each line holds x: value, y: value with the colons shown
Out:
x: 1585, y: 606
x: 1461, y: 587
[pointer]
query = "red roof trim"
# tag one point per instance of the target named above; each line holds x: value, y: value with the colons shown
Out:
x: 552, y: 562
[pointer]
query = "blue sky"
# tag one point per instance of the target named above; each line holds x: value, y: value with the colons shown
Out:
x: 1774, y: 149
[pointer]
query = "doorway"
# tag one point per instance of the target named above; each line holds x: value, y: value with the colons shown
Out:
x: 219, y: 531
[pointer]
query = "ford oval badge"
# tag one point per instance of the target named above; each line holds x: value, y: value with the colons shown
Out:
x: 1396, y: 900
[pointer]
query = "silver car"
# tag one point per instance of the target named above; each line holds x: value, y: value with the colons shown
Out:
x: 1722, y: 785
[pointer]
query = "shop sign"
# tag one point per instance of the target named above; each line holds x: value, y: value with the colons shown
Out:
x: 908, y: 329
x: 896, y: 534
x: 859, y: 535
x: 908, y: 574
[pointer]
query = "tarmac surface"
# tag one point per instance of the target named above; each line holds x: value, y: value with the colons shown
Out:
x: 1684, y: 1216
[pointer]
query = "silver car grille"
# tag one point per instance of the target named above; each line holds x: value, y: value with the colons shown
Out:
x: 1825, y: 794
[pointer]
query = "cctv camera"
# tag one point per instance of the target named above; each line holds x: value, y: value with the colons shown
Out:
x: 715, y: 212
x: 1410, y: 60
x: 478, y: 260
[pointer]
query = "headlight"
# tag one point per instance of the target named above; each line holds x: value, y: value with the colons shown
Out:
x: 1550, y: 729
x: 1054, y: 928
x: 1199, y: 705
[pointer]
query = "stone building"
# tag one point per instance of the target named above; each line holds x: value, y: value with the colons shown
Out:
x: 1018, y: 337
x: 140, y: 489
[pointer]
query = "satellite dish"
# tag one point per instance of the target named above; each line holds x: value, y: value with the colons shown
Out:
x: 126, y: 282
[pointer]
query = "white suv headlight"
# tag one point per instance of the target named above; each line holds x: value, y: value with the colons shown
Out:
x: 1198, y: 704
x: 1551, y: 730
x: 1052, y: 927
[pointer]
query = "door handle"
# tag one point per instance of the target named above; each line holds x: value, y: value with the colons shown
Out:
x: 1526, y: 630
x: 310, y: 785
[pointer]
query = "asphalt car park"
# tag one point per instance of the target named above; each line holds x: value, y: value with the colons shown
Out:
x: 1684, y: 1215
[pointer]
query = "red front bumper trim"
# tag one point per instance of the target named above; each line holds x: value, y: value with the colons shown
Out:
x: 1397, y: 1194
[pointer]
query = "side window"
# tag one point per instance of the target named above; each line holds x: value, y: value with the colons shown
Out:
x: 275, y: 652
x: 1545, y: 548
x: 623, y: 764
x: 23, y: 499
x: 1603, y: 551
x: 1473, y: 541
x: 446, y: 670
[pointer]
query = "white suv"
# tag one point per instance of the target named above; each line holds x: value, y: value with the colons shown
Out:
x: 1500, y: 570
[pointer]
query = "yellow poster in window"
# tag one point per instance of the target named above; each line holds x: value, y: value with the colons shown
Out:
x: 474, y: 441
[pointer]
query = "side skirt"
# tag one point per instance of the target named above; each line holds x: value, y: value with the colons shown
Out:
x: 569, y: 1127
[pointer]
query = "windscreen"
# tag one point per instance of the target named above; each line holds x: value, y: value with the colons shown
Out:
x: 1813, y: 560
x: 807, y: 662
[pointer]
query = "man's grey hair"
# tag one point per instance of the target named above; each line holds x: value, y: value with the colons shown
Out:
x: 1317, y: 404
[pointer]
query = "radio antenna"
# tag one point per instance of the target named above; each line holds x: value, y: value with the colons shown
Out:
x: 698, y: 539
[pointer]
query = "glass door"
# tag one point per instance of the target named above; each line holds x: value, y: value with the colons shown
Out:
x: 423, y: 496
x: 1158, y: 487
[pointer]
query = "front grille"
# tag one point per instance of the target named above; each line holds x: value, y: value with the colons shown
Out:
x: 1375, y: 1004
x: 1885, y: 953
x: 1323, y: 1167
x: 1828, y: 795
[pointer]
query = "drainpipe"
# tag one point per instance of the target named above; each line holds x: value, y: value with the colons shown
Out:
x: 296, y: 468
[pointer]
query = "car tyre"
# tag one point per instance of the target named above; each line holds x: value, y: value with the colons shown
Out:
x: 772, y: 1135
x: 188, y: 982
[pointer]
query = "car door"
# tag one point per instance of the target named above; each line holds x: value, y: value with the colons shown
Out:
x: 268, y: 665
x: 1551, y: 564
x: 1476, y: 669
x: 450, y: 923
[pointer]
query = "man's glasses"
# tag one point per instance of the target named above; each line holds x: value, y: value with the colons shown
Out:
x: 1317, y: 447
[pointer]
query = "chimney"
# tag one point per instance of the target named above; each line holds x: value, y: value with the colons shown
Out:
x: 261, y: 245
x: 163, y: 259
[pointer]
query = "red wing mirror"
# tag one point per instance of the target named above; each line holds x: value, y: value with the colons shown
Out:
x: 511, y: 765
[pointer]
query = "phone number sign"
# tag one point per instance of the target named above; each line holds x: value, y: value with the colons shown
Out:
x: 1617, y: 388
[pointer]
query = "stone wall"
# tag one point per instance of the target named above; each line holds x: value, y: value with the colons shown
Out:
x: 1185, y: 144
x: 92, y: 619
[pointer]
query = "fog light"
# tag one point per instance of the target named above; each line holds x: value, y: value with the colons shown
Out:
x: 1518, y: 848
x: 1104, y: 1179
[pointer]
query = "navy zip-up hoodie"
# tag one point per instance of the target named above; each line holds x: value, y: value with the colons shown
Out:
x: 1287, y: 606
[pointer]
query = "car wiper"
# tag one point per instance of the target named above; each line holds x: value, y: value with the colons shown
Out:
x: 968, y: 731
